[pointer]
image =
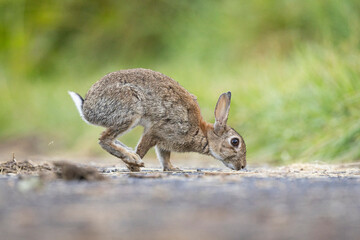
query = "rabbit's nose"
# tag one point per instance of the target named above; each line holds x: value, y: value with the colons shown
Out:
x: 240, y: 166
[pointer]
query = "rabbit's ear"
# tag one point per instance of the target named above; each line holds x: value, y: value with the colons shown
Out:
x: 221, y: 112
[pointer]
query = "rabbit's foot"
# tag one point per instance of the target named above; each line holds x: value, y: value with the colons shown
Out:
x: 133, y: 159
x: 133, y: 168
x: 172, y: 169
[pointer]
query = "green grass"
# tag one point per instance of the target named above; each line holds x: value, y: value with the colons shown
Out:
x: 293, y: 69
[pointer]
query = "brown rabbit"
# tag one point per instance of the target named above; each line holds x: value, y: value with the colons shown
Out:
x: 169, y: 114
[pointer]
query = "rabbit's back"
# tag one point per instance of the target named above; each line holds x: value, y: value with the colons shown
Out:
x: 151, y: 98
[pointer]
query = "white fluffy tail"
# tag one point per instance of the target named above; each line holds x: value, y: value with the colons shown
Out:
x: 78, y: 100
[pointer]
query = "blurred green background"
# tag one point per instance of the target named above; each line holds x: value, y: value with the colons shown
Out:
x: 292, y: 66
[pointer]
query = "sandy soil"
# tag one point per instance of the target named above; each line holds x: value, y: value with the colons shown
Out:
x: 294, y: 202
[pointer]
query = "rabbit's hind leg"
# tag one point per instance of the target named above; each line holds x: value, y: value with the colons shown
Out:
x: 108, y: 142
x: 164, y: 158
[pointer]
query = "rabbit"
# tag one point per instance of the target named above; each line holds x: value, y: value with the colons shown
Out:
x: 169, y: 114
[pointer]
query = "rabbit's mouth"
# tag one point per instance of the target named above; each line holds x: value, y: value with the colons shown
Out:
x: 232, y: 166
x: 233, y: 161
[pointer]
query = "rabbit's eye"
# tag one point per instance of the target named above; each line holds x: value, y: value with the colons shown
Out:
x: 235, y: 142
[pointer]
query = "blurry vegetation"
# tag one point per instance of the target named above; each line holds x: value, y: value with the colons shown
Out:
x: 293, y: 67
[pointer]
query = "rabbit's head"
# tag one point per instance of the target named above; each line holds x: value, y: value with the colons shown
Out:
x: 225, y: 143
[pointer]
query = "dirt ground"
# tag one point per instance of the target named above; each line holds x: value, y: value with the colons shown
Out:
x: 303, y: 201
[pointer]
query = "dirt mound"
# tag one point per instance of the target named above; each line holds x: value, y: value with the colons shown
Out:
x: 23, y: 167
x: 59, y: 170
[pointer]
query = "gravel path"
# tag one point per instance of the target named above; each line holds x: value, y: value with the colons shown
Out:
x: 295, y: 202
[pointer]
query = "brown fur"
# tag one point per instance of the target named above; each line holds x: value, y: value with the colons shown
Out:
x: 169, y: 114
